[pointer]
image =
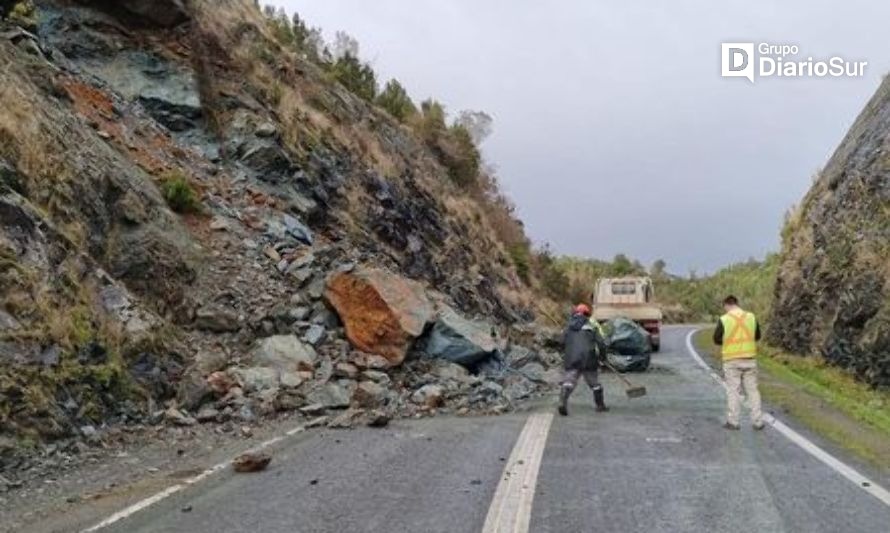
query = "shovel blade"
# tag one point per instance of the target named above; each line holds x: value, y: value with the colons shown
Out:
x: 636, y: 392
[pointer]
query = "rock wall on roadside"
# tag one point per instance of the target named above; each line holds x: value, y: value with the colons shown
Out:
x: 115, y: 308
x: 832, y: 295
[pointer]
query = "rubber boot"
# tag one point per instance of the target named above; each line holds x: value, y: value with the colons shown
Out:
x: 564, y: 400
x: 599, y: 400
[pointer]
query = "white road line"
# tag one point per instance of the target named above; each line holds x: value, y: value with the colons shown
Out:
x: 804, y: 443
x: 173, y: 489
x: 135, y: 508
x: 511, y: 507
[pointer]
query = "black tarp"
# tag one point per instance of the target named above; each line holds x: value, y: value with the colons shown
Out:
x: 629, y: 347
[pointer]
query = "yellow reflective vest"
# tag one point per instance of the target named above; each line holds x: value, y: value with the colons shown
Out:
x: 739, y: 330
x: 598, y: 327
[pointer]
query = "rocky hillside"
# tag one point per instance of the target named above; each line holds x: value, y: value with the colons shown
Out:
x: 832, y: 295
x: 177, y: 193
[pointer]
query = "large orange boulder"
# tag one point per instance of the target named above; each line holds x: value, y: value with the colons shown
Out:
x: 383, y: 312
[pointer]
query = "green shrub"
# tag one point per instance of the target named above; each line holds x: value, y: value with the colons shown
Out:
x: 622, y: 266
x: 521, y: 257
x: 276, y: 93
x: 179, y: 194
x: 658, y: 270
x: 295, y: 34
x: 395, y: 100
x: 431, y: 122
x: 356, y: 76
x: 280, y: 26
x: 459, y: 154
x: 307, y: 40
x: 22, y: 13
x: 453, y: 146
x: 260, y: 50
x: 553, y: 280
x: 751, y: 281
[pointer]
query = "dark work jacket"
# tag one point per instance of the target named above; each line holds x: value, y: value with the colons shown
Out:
x: 582, y: 344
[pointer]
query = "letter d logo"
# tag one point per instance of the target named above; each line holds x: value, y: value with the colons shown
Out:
x: 737, y: 60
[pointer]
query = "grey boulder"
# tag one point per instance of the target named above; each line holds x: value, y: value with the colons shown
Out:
x: 331, y: 395
x: 257, y: 378
x: 285, y: 353
x: 459, y: 340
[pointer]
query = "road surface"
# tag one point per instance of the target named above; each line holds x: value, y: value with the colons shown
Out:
x: 659, y: 463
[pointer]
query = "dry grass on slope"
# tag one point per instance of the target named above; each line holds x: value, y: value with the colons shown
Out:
x: 315, y: 111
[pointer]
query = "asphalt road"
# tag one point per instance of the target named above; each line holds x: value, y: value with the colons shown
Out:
x: 659, y: 463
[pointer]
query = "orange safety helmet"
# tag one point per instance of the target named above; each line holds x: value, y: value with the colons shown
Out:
x: 582, y: 309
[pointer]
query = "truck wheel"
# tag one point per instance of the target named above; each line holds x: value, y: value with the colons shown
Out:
x: 656, y: 346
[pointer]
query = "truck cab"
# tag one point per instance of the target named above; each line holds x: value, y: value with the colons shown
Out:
x: 632, y: 298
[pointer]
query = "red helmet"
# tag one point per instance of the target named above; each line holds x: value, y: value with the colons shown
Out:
x: 582, y: 309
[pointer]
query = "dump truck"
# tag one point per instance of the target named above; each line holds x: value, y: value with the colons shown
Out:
x: 629, y: 297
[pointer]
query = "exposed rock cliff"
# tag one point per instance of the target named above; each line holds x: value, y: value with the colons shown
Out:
x: 175, y: 187
x: 832, y: 295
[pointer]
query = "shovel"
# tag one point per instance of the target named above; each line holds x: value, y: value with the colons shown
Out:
x: 632, y: 391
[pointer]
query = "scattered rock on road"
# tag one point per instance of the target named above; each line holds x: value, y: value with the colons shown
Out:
x: 346, y: 420
x: 251, y: 462
x: 378, y: 419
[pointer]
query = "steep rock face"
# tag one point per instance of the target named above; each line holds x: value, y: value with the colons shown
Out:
x: 165, y: 13
x: 832, y: 295
x: 67, y: 331
x: 291, y: 177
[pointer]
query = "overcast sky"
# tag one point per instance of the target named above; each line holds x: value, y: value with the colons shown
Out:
x: 614, y: 131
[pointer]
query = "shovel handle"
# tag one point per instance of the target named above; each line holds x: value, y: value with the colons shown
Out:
x: 612, y: 368
x: 550, y: 317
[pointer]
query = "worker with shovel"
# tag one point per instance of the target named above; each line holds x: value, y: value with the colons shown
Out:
x: 583, y: 347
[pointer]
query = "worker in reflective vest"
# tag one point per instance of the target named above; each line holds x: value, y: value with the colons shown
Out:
x: 737, y: 333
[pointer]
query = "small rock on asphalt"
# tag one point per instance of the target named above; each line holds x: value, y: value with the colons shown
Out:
x: 251, y: 462
x: 378, y: 419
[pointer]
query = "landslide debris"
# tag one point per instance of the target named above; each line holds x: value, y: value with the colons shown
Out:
x: 199, y: 226
x: 383, y: 313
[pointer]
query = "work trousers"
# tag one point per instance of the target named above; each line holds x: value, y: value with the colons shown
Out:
x: 570, y: 379
x: 741, y: 373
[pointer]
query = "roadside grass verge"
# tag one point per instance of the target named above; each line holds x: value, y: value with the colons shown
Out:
x: 825, y: 399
